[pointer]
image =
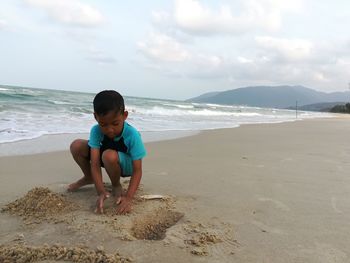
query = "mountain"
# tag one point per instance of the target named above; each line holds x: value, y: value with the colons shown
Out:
x: 271, y: 96
x: 207, y: 95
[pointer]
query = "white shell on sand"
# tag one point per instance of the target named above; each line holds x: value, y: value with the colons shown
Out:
x: 152, y: 197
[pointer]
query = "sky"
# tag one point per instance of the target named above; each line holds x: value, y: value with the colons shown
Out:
x: 174, y: 49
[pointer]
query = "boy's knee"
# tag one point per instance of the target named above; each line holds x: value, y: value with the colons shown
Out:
x: 77, y: 147
x: 110, y: 157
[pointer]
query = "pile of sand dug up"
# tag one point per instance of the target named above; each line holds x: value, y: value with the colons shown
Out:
x: 23, y: 253
x: 39, y: 204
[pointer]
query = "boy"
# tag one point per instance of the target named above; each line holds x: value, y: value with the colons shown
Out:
x: 114, y: 145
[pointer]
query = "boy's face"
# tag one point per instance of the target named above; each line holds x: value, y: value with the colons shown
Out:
x: 112, y: 123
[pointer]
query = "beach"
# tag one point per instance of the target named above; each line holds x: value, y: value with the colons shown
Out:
x: 257, y: 193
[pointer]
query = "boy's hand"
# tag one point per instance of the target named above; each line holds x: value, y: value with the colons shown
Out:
x: 124, y: 205
x: 99, y: 203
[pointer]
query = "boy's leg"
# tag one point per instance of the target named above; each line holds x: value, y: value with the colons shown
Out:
x: 110, y: 161
x: 80, y: 152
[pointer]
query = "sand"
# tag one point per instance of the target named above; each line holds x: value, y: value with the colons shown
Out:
x: 257, y: 193
x: 27, y: 254
x: 40, y: 204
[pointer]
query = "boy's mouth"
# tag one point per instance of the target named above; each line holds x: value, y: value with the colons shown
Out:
x: 111, y: 135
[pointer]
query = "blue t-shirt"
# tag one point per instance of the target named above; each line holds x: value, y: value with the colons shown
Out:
x: 129, y: 141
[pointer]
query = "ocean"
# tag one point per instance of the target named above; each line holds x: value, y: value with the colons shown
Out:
x: 28, y: 113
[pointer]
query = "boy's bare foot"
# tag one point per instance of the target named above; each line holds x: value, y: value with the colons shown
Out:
x: 80, y: 183
x: 117, y: 192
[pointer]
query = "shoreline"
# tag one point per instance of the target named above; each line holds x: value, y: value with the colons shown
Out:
x: 60, y: 142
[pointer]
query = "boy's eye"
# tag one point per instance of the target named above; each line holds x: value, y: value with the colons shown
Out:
x: 115, y: 123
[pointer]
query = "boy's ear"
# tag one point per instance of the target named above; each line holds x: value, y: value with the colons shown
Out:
x: 95, y: 116
x: 125, y: 115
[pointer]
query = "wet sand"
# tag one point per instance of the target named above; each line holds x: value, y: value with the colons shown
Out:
x: 257, y: 193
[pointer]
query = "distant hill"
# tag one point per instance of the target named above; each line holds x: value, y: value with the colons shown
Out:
x: 207, y: 95
x: 272, y: 96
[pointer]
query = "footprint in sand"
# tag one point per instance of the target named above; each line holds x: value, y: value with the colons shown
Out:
x: 215, y: 240
x: 278, y: 204
x: 266, y: 229
x: 334, y: 205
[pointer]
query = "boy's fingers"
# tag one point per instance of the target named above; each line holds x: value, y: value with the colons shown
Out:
x: 99, y: 210
x: 123, y: 208
x: 99, y: 204
x: 119, y: 210
x: 118, y: 200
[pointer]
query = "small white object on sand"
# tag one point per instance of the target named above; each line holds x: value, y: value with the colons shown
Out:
x: 152, y: 197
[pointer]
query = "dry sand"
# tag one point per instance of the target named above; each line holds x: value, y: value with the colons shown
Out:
x: 258, y: 193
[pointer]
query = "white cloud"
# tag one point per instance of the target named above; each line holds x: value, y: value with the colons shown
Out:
x: 99, y: 56
x: 78, y: 16
x: 3, y: 24
x: 194, y: 17
x: 163, y: 48
x: 159, y: 17
x: 170, y: 57
x: 320, y: 77
x: 319, y: 67
x: 205, y: 66
x: 287, y: 49
x: 268, y: 61
x: 244, y: 60
x: 69, y: 12
x: 165, y: 24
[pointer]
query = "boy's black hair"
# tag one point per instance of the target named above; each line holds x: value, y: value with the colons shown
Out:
x: 108, y: 100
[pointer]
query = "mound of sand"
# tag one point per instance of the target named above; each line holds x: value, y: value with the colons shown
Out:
x: 39, y: 204
x: 22, y: 253
x: 201, y: 242
x: 154, y: 225
x: 203, y: 239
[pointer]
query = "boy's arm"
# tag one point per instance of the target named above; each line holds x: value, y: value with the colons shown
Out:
x: 125, y: 204
x: 97, y: 177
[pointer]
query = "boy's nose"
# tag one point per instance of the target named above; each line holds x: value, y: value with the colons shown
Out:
x: 110, y: 130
